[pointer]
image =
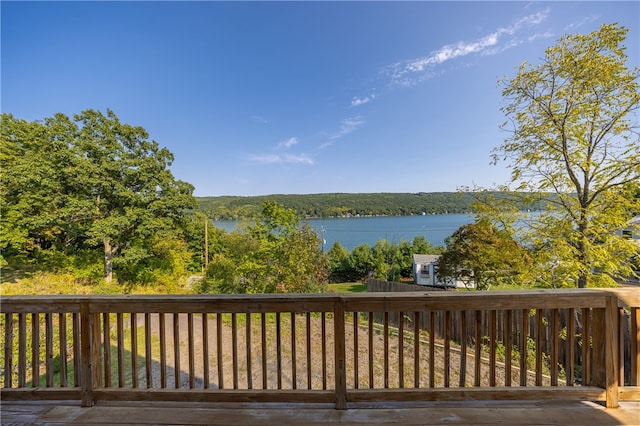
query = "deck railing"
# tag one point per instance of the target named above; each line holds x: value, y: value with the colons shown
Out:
x: 323, y: 348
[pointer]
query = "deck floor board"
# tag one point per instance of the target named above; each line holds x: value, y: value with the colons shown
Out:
x: 52, y: 413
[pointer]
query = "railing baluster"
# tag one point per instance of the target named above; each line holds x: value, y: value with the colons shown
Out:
x: 524, y: 340
x: 447, y: 348
x: 205, y: 349
x: 635, y: 346
x: 555, y: 340
x: 77, y: 349
x: 571, y: 341
x: 463, y: 349
x: 294, y: 379
x: 263, y: 337
x: 177, y: 379
x: 120, y: 331
x: 163, y: 350
x: 192, y: 359
x: 478, y: 349
x: 22, y: 349
x: 323, y: 325
x: 248, y: 349
x: 134, y: 349
x: 234, y: 348
x: 106, y: 347
x: 309, y: 372
x: 148, y: 355
x: 279, y: 350
x: 492, y: 348
x: 49, y: 349
x: 219, y: 344
x: 356, y: 354
x: 432, y: 349
x: 35, y: 350
x: 586, y: 347
x: 621, y: 333
x: 370, y: 335
x: 8, y: 350
x: 508, y: 346
x: 401, y: 350
x: 62, y: 324
x: 386, y: 350
x: 416, y: 349
x: 538, y: 334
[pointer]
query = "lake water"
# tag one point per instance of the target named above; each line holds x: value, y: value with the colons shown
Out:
x: 354, y: 231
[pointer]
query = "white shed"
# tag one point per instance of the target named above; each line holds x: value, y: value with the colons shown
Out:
x: 425, y: 270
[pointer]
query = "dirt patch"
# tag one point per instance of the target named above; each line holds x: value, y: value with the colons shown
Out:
x: 227, y: 352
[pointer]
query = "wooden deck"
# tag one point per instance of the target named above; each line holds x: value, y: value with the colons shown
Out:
x: 375, y: 358
x: 49, y: 413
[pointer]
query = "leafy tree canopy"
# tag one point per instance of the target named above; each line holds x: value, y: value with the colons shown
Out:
x: 85, y: 183
x: 481, y: 254
x: 573, y: 145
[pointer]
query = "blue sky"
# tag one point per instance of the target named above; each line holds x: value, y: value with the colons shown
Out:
x: 295, y: 97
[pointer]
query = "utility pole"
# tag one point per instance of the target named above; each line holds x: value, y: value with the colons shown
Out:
x: 206, y: 242
x: 323, y: 240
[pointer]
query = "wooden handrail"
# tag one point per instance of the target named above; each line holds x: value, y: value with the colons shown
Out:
x: 328, y: 347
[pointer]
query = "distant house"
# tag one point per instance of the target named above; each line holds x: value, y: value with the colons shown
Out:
x: 632, y: 230
x: 425, y: 272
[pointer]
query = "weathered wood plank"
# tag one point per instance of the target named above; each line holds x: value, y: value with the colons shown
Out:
x: 472, y: 393
x: 340, y: 356
x: 612, y: 320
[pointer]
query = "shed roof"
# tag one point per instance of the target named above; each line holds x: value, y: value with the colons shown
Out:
x: 422, y: 259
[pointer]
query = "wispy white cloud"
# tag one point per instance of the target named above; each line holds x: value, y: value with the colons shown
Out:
x: 267, y: 159
x: 280, y: 157
x: 411, y: 72
x: 584, y: 21
x: 259, y: 119
x: 348, y: 125
x: 286, y: 144
x: 357, y: 101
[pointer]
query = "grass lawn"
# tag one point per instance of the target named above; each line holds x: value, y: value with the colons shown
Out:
x: 348, y: 288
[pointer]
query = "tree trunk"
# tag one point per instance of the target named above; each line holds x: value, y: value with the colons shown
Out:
x: 108, y: 260
x: 583, y: 257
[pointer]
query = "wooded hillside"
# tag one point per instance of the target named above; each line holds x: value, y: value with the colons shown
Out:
x: 340, y: 204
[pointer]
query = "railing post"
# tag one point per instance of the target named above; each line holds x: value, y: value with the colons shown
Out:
x: 340, y: 354
x: 86, y: 375
x: 612, y: 319
x: 89, y: 353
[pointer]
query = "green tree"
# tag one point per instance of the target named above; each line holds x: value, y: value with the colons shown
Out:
x: 127, y: 190
x: 92, y: 182
x: 572, y: 145
x: 361, y: 262
x: 276, y: 254
x: 337, y: 262
x: 481, y: 254
x: 32, y: 194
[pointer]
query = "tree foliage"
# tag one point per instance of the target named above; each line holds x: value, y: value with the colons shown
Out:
x: 339, y: 205
x: 385, y: 260
x: 276, y: 254
x: 572, y: 137
x: 90, y: 183
x: 484, y: 255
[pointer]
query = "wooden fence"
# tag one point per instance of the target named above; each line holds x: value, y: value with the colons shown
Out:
x: 319, y: 348
x: 572, y: 355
